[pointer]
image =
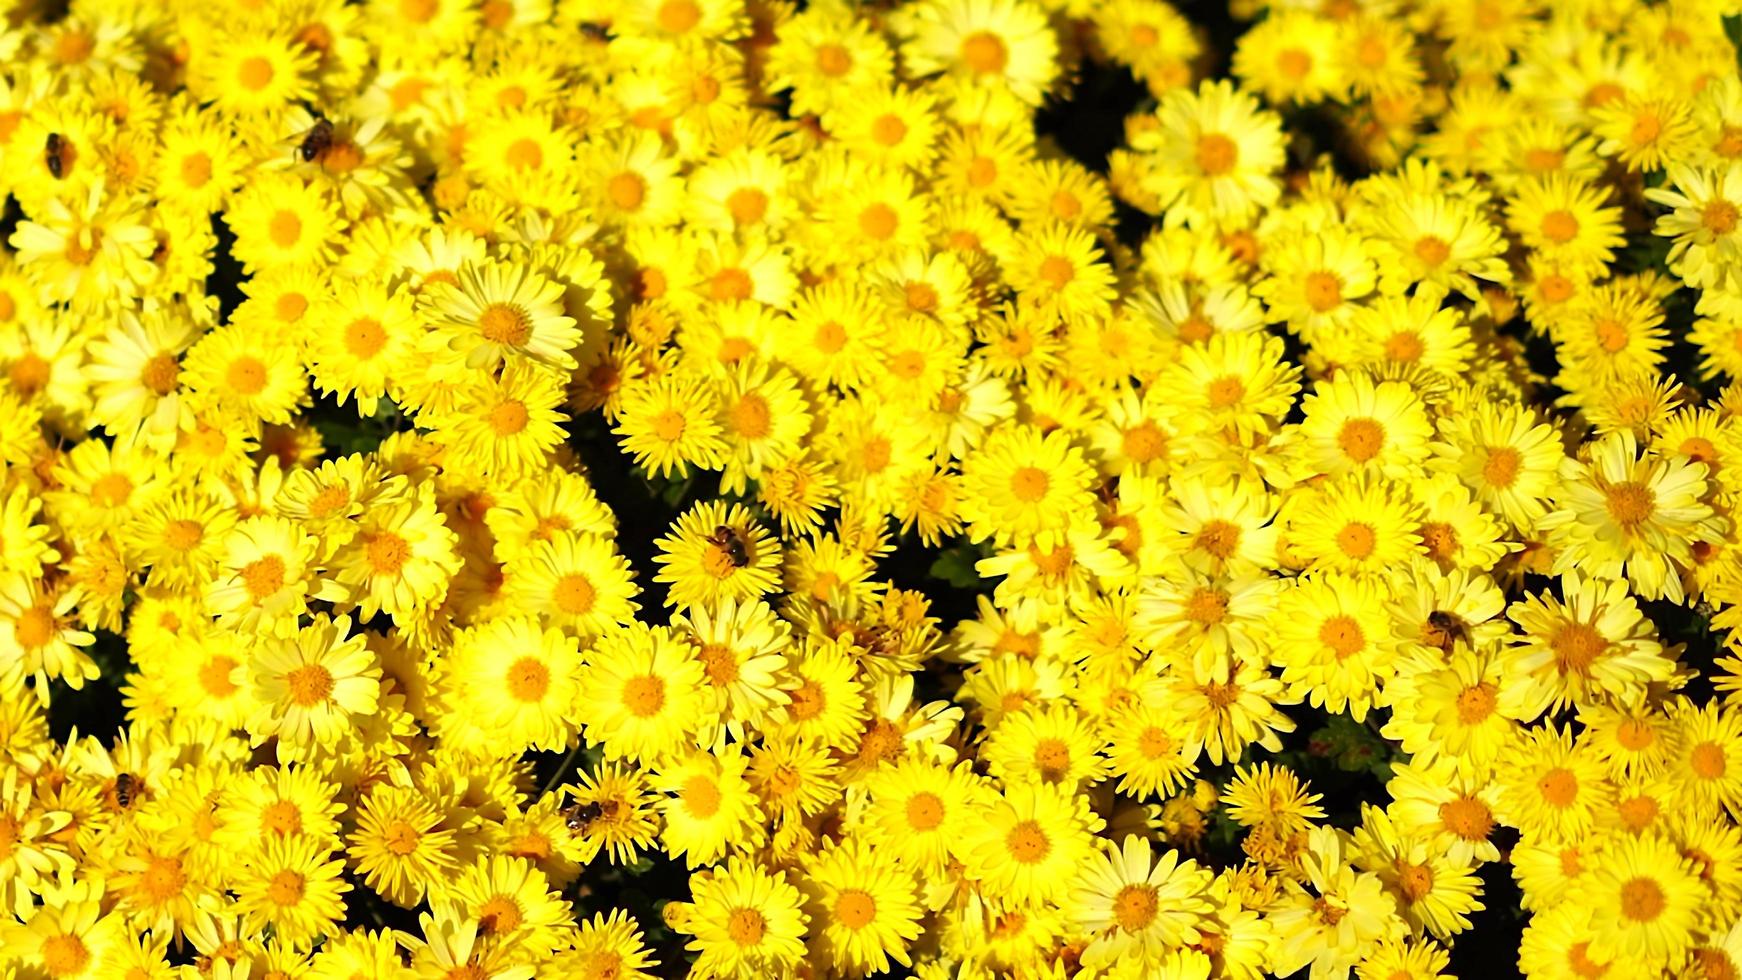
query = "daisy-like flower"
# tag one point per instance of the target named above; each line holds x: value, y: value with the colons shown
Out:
x: 1353, y: 424
x: 1433, y: 892
x: 573, y: 580
x: 400, y: 846
x: 608, y: 945
x: 1027, y: 845
x: 863, y: 908
x: 740, y: 645
x: 1644, y: 899
x: 669, y: 424
x: 292, y: 886
x: 69, y: 935
x: 503, y: 426
x: 1565, y: 221
x: 1549, y: 785
x: 38, y: 638
x: 1590, y: 646
x: 401, y: 558
x: 1328, y: 927
x: 1357, y: 525
x: 1215, y: 153
x: 1705, y: 221
x: 282, y: 221
x: 642, y: 693
x: 711, y: 807
x: 1234, y: 381
x: 716, y: 550
x: 513, y: 904
x: 1620, y: 515
x: 264, y: 573
x: 1507, y: 458
x: 1055, y: 267
x: 1136, y: 904
x: 312, y: 688
x: 1334, y: 642
x: 496, y: 310
x: 1025, y: 487
x: 509, y: 685
x: 1004, y: 43
x: 746, y: 920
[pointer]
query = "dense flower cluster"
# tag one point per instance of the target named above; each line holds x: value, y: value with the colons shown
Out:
x: 1387, y: 436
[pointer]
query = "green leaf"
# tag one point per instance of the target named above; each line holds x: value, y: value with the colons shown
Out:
x: 956, y: 566
x: 1733, y: 31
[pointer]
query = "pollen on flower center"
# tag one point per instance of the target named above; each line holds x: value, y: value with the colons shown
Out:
x: 1028, y: 843
x: 1560, y: 226
x: 746, y: 926
x: 387, y: 552
x: 1217, y: 154
x: 528, y: 679
x: 34, y: 627
x: 644, y: 696
x: 1467, y: 817
x: 1324, y: 291
x: 1029, y: 484
x: 502, y: 323
x: 1361, y: 439
x: 1135, y: 907
x: 854, y: 908
x: 1630, y: 504
x: 1343, y: 636
x: 285, y: 888
x: 1719, y: 217
x: 1576, y: 647
x: 160, y: 374
x: 925, y: 811
x: 1707, y: 761
x: 701, y: 796
x: 309, y: 685
x: 1559, y: 787
x: 263, y: 577
x: 1500, y: 468
x: 984, y: 52
x: 509, y: 418
x: 1357, y: 540
x: 64, y: 955
x: 1476, y: 703
x: 1642, y: 899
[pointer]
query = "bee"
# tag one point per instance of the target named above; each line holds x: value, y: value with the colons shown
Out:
x: 126, y: 787
x: 732, y: 543
x: 579, y: 817
x: 596, y: 32
x: 1445, y: 630
x: 55, y: 150
x: 317, y: 141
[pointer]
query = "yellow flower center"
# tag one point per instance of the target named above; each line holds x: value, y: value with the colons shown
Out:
x: 644, y: 696
x: 1028, y: 843
x: 263, y: 577
x: 855, y: 909
x: 1629, y: 503
x: 285, y: 889
x: 1361, y: 439
x: 701, y: 796
x: 1642, y: 899
x: 1029, y: 484
x: 1559, y: 787
x: 1343, y: 636
x: 528, y: 679
x: 1323, y: 291
x: 925, y: 811
x: 387, y: 553
x: 984, y: 53
x: 64, y: 955
x: 746, y: 926
x: 1216, y: 154
x: 309, y: 685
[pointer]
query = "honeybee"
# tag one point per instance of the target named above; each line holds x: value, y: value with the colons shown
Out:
x: 1445, y: 630
x: 125, y: 787
x: 732, y: 543
x: 54, y: 154
x: 579, y: 817
x: 317, y: 141
x: 595, y: 32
